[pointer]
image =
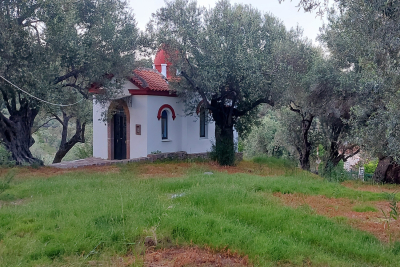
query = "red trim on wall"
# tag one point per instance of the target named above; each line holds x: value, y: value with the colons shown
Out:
x: 164, y: 107
x: 151, y: 92
x: 199, y: 107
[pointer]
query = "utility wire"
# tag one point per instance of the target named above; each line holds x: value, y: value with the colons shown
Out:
x: 54, y: 104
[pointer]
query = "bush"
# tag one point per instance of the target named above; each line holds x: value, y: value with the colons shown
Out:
x: 261, y: 140
x: 223, y: 152
x: 83, y: 151
x: 370, y: 167
x: 335, y: 174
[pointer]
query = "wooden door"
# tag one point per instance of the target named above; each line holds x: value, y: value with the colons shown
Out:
x: 120, y: 135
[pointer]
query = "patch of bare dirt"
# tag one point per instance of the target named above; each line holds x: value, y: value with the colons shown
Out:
x: 12, y: 203
x: 389, y: 188
x: 167, y: 170
x: 248, y: 167
x: 22, y: 173
x: 371, y: 221
x: 189, y: 256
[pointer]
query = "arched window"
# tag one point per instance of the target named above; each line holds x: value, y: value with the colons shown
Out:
x: 164, y: 124
x: 202, y: 122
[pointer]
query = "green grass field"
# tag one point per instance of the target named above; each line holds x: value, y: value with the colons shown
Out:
x: 70, y: 219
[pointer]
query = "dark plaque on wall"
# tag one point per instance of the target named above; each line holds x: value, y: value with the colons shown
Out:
x: 138, y: 129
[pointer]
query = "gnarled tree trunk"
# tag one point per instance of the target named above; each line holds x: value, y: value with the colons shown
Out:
x: 334, y: 156
x: 305, y: 150
x: 78, y: 137
x: 224, y: 143
x: 16, y: 136
x: 387, y: 171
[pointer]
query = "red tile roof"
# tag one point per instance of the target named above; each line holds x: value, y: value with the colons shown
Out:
x: 149, y: 79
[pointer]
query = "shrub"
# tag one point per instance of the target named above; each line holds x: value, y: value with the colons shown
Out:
x: 223, y: 152
x: 371, y: 166
x: 83, y: 151
x: 335, y: 174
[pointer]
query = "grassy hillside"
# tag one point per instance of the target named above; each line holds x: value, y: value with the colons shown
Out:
x: 90, y: 215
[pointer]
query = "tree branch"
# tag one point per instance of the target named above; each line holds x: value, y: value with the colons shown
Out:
x: 295, y: 110
x: 32, y: 132
x: 36, y: 30
x: 239, y: 113
x: 77, y: 87
x: 27, y: 14
x: 58, y: 118
x: 351, y: 155
x: 5, y: 97
x: 6, y: 121
x: 201, y: 92
x: 68, y: 75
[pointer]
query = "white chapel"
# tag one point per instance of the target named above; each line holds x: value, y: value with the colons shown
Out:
x: 149, y: 118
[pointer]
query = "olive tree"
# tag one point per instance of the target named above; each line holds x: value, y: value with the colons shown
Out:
x: 56, y: 50
x: 363, y: 37
x: 225, y: 58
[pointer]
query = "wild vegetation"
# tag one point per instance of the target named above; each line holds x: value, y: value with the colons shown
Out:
x: 108, y: 215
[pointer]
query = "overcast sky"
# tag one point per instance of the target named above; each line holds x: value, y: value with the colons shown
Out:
x: 287, y: 12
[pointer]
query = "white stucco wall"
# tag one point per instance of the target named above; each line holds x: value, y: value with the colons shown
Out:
x: 125, y: 89
x: 194, y: 143
x: 154, y: 141
x: 100, y: 148
x: 138, y: 114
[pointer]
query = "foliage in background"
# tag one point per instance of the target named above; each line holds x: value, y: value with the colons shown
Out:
x: 48, y: 140
x: 264, y: 140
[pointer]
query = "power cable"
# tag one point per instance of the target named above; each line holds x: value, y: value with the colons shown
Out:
x: 54, y: 104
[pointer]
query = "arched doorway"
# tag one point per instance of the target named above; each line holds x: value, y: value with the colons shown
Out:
x: 119, y: 131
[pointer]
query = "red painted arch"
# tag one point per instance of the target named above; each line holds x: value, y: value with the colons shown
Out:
x: 199, y: 106
x: 164, y: 107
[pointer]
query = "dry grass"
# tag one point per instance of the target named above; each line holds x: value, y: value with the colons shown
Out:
x: 180, y: 169
x: 24, y: 173
x: 147, y: 170
x: 378, y: 188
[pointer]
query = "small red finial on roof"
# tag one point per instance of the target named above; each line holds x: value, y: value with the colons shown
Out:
x: 161, y: 58
x: 162, y: 64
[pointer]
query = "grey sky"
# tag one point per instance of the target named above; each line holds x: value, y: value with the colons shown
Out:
x: 287, y: 12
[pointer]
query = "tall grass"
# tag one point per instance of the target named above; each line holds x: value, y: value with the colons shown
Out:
x: 76, y: 217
